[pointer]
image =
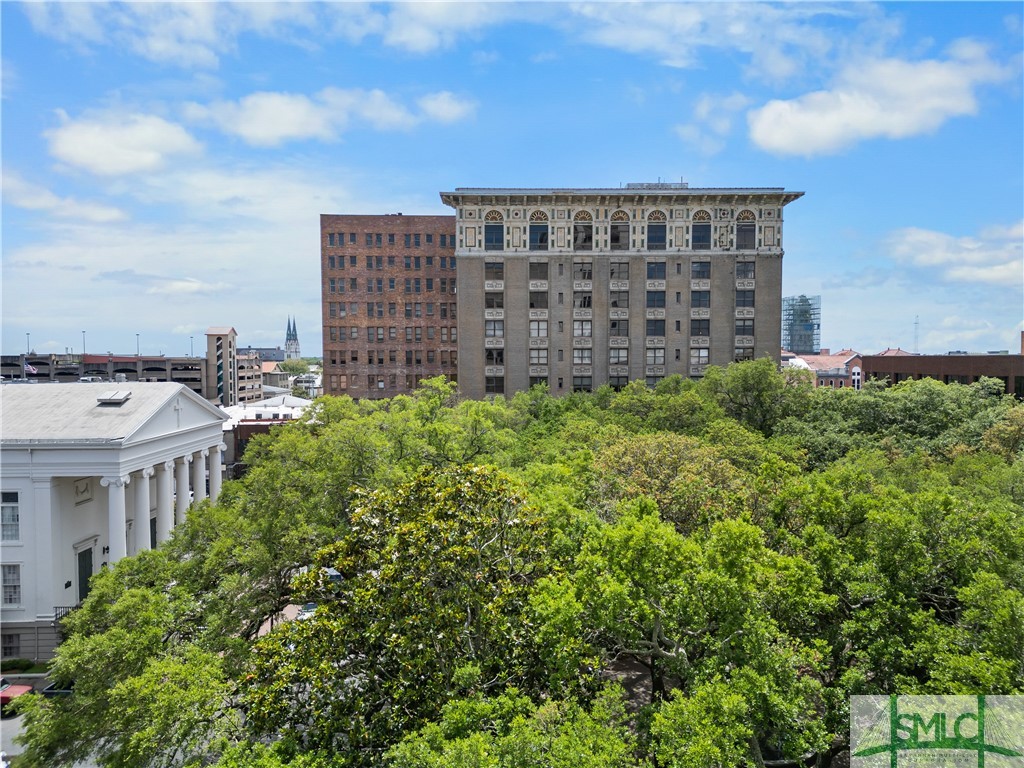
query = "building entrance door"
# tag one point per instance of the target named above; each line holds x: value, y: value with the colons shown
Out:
x: 84, y: 572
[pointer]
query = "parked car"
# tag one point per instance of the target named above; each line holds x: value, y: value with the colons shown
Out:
x: 306, y: 611
x: 9, y: 692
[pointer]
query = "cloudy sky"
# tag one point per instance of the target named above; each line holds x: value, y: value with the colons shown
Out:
x: 165, y: 165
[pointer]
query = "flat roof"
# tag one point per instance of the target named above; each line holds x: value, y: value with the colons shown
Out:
x: 630, y: 191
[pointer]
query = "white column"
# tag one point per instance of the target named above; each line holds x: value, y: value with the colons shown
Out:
x: 46, y: 530
x: 116, y: 519
x: 142, y: 509
x: 181, y: 488
x: 199, y: 475
x: 216, y: 470
x: 164, y: 503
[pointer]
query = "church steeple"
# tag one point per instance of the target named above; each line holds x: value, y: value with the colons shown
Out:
x: 291, y: 341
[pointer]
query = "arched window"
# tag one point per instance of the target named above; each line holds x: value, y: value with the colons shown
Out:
x: 700, y: 237
x: 538, y: 231
x: 618, y: 234
x: 657, y: 231
x: 583, y: 231
x: 746, y: 231
x: 494, y: 231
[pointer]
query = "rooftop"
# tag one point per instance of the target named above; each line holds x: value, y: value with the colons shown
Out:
x: 80, y: 412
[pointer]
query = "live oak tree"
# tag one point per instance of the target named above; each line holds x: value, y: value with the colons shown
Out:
x: 435, y: 576
x: 763, y: 549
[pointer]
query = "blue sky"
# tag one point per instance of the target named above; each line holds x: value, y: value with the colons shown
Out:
x: 165, y: 165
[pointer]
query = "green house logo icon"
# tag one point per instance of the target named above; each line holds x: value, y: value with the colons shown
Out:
x: 939, y: 731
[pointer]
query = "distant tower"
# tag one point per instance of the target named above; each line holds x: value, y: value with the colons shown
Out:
x: 291, y: 341
x: 801, y: 324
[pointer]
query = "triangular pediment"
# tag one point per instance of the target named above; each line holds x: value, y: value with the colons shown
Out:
x: 182, y: 412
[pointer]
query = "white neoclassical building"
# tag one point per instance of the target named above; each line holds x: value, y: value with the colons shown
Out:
x: 91, y: 473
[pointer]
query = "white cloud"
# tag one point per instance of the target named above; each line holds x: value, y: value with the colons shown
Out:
x: 445, y: 107
x: 197, y: 35
x: 24, y: 194
x: 712, y: 122
x: 876, y: 98
x: 268, y: 119
x: 995, y: 257
x: 184, y: 34
x: 780, y: 40
x: 425, y: 27
x: 113, y: 144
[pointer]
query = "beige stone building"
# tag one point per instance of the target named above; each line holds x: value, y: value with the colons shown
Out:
x: 576, y: 288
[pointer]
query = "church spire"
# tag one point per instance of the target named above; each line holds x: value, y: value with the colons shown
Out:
x: 291, y: 340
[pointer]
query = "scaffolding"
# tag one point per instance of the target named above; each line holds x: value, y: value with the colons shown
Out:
x: 801, y: 324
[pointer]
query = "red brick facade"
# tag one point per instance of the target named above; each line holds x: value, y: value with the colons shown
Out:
x: 388, y: 302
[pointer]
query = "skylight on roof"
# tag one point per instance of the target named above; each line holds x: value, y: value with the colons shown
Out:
x: 114, y: 397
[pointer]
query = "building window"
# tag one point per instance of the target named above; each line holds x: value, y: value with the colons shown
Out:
x: 699, y: 356
x: 618, y: 270
x: 538, y: 380
x: 745, y: 327
x: 656, y: 356
x: 583, y: 356
x: 582, y: 328
x: 700, y: 270
x: 538, y: 329
x: 656, y: 270
x: 700, y: 299
x: 618, y: 328
x: 618, y: 382
x: 584, y: 300
x: 743, y: 353
x: 700, y: 327
x: 657, y: 231
x: 10, y: 645
x: 618, y: 299
x: 655, y: 327
x: 11, y: 577
x: 494, y: 270
x: 538, y: 299
x: 655, y: 299
x: 583, y: 231
x: 744, y: 298
x: 582, y: 383
x: 494, y: 385
x: 11, y: 521
x: 494, y: 357
x: 746, y: 231
x: 538, y: 231
x: 618, y: 233
x: 538, y: 270
x: 494, y: 300
x: 416, y: 241
x: 700, y: 238
x: 494, y: 328
x: 538, y: 357
x: 618, y: 356
x: 744, y: 270
x: 583, y: 270
x: 494, y: 231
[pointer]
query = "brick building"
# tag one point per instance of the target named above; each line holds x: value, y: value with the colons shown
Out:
x: 388, y: 302
x: 958, y: 367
